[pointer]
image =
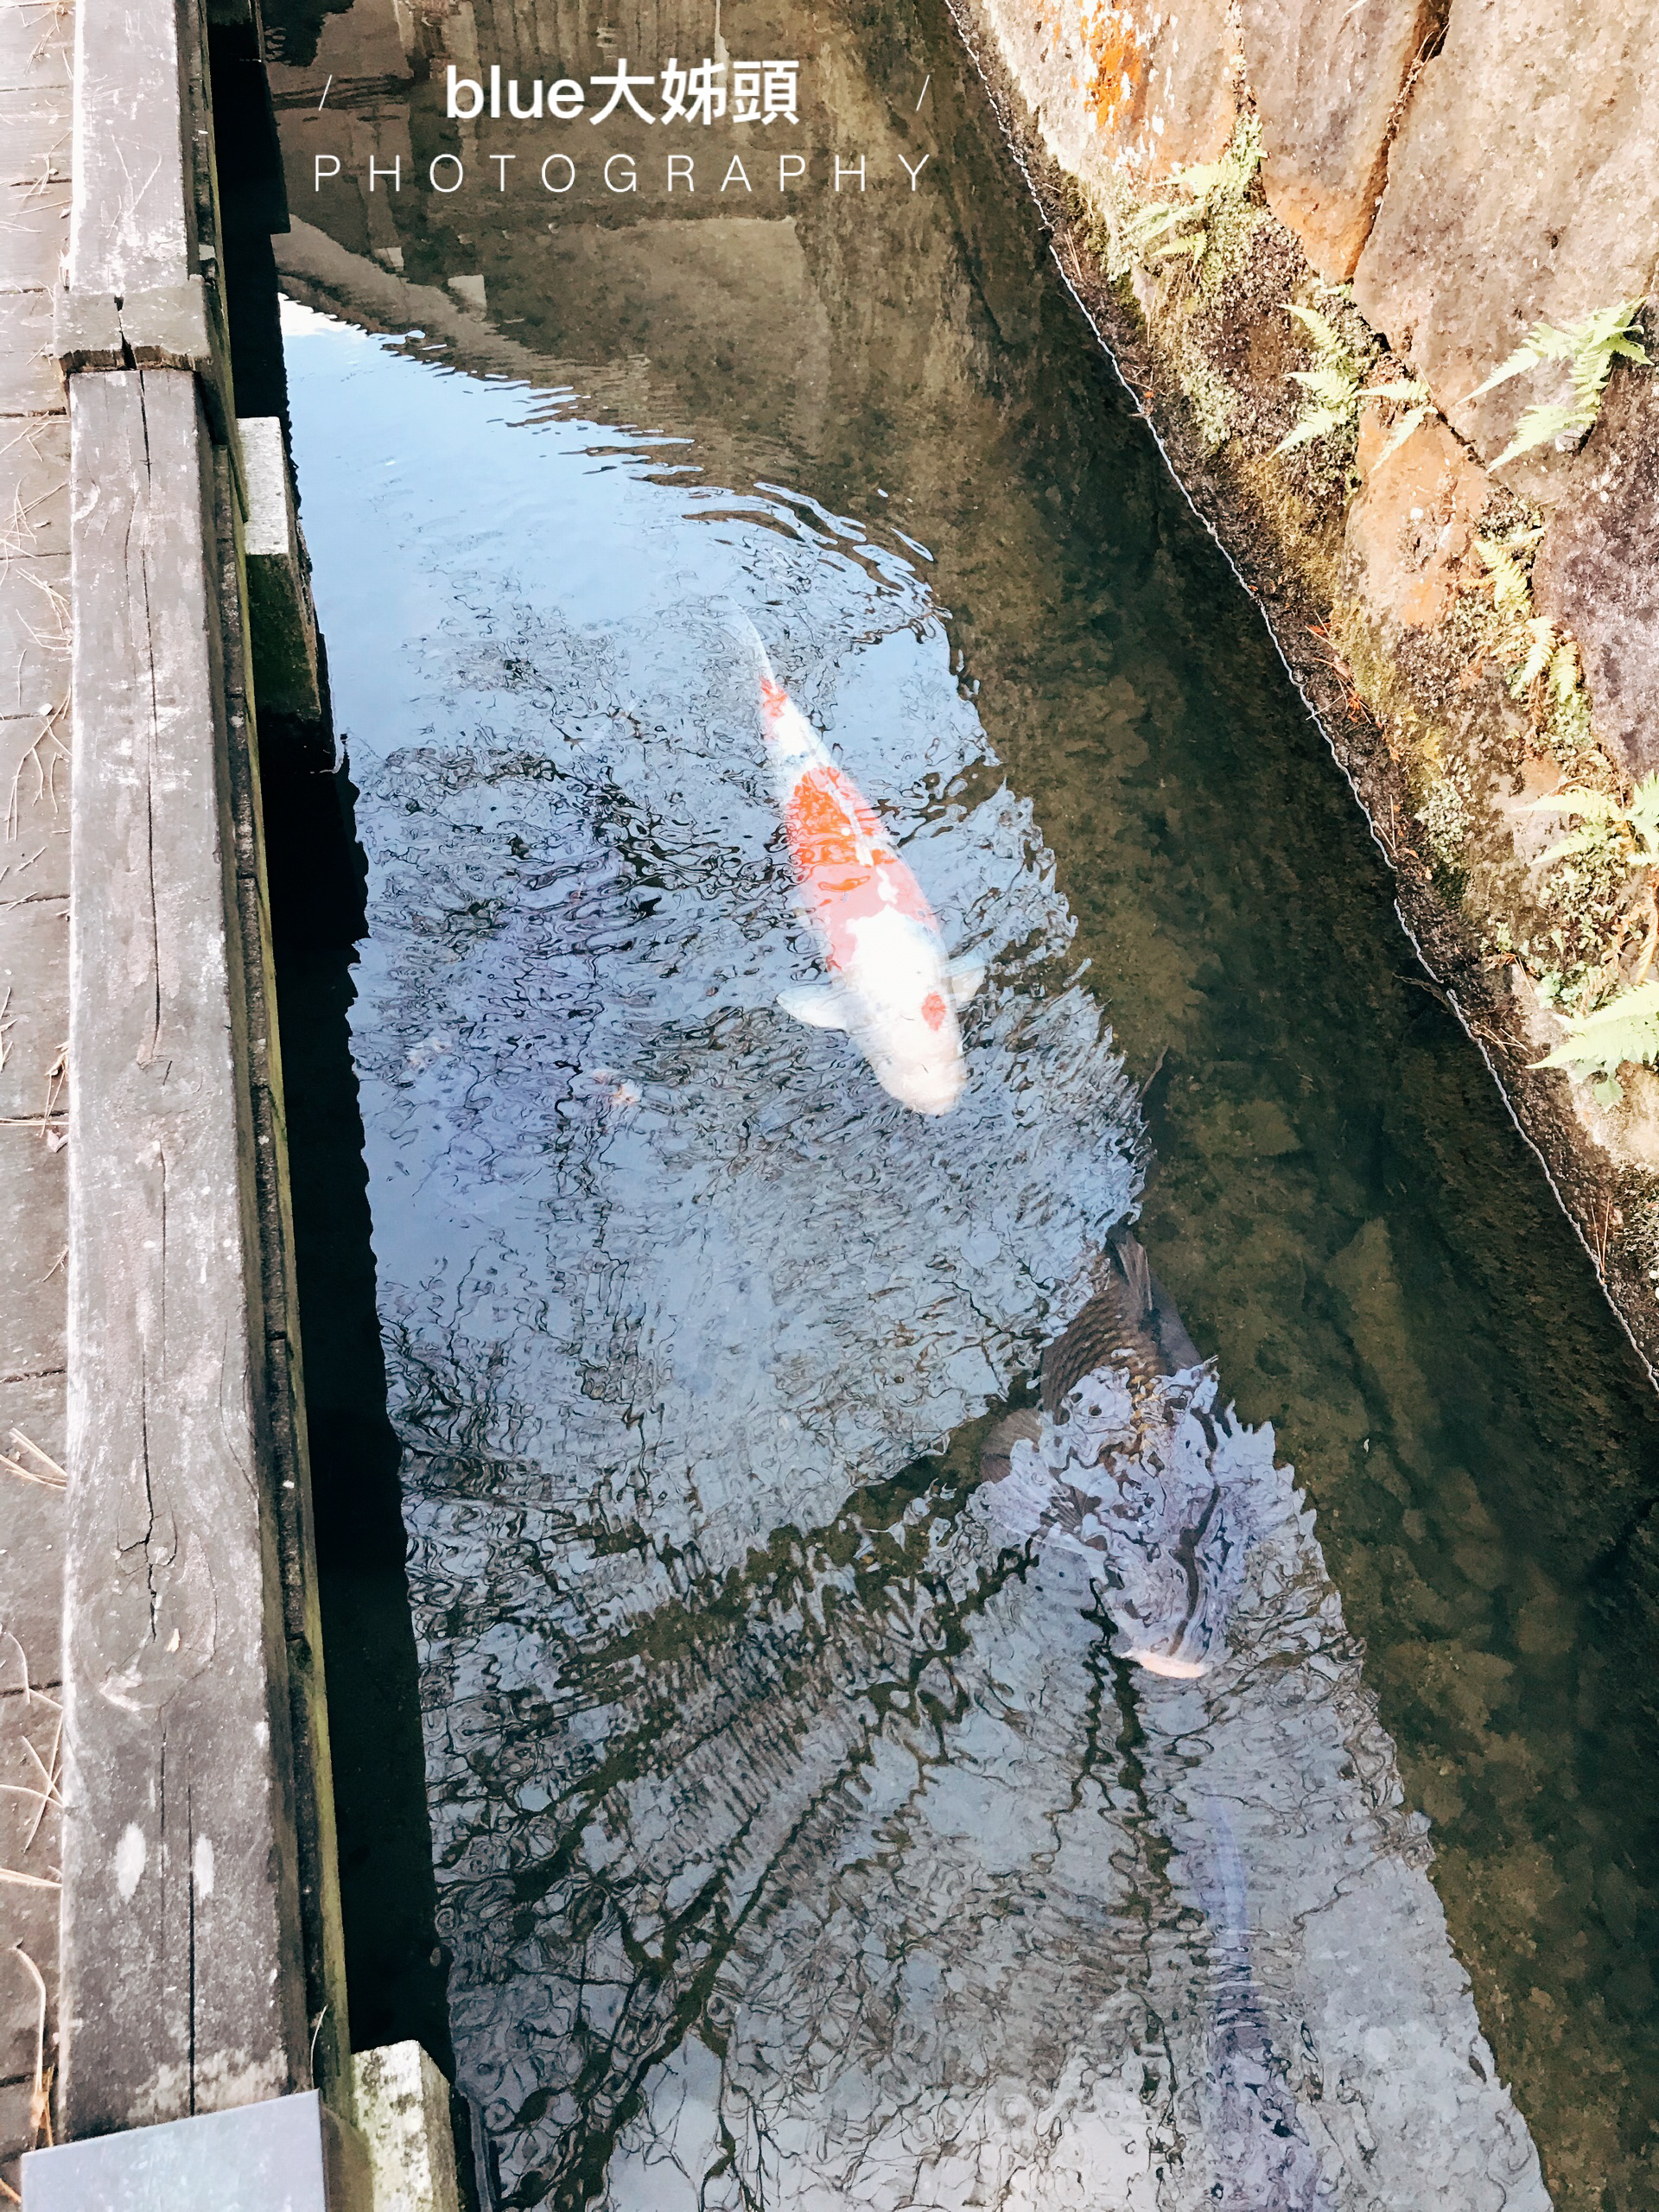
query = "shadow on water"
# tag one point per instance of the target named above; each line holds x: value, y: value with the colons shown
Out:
x: 395, y: 1981
x: 775, y: 1806
x: 315, y: 880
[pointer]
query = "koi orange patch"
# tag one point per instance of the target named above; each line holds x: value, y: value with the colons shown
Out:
x: 933, y: 1010
x: 833, y: 829
x: 847, y: 870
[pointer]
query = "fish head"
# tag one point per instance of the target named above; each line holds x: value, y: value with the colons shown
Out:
x: 906, y: 1025
x: 920, y: 1073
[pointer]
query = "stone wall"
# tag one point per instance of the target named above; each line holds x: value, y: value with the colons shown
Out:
x: 1431, y: 179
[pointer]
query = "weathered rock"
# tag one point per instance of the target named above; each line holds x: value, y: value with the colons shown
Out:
x: 1142, y: 88
x: 1410, y: 529
x: 403, y: 2110
x: 1523, y: 184
x: 283, y: 620
x: 1326, y: 84
x: 1596, y: 575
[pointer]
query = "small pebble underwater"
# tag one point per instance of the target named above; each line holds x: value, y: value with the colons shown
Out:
x: 1089, y: 1645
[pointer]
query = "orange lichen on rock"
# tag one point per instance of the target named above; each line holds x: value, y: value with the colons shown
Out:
x: 1158, y: 90
x: 1119, y: 55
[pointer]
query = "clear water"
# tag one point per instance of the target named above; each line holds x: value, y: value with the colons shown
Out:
x: 801, y: 1835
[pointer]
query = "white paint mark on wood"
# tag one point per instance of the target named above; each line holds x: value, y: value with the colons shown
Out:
x: 204, y: 1866
x: 130, y: 1854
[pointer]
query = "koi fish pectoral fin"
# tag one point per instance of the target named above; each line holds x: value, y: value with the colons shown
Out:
x: 963, y: 978
x: 815, y: 1004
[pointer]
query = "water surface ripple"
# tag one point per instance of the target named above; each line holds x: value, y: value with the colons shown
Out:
x: 803, y: 1839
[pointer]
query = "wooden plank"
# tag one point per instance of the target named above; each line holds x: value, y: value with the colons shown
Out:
x: 30, y: 1853
x: 34, y: 133
x: 31, y: 1531
x: 132, y: 224
x: 35, y: 635
x: 34, y: 483
x: 31, y: 1915
x: 193, y: 1690
x: 183, y: 1950
x: 33, y: 881
x: 34, y: 1236
x: 29, y: 379
x: 36, y: 46
x: 33, y: 221
x: 28, y: 375
x: 34, y: 146
x: 30, y: 1844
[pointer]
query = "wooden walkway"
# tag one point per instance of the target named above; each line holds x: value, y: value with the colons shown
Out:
x: 169, y: 1936
x: 174, y: 2025
x: 35, y: 125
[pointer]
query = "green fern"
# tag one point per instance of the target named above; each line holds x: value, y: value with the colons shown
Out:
x: 1639, y: 821
x: 1409, y: 394
x: 1511, y: 584
x: 1643, y: 815
x: 1541, y: 650
x: 1333, y: 383
x: 1549, y: 653
x: 1566, y: 672
x: 1589, y: 348
x: 1595, y: 1048
x: 1159, y: 231
x: 1336, y: 387
x: 1625, y: 837
x: 1561, y: 709
x: 1156, y: 221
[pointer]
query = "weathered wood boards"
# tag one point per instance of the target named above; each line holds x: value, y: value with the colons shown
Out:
x: 35, y: 47
x: 201, y: 1954
x: 181, y: 1922
x: 133, y: 225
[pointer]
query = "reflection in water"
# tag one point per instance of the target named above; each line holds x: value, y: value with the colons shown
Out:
x: 1334, y: 1195
x: 1127, y: 1459
x: 1262, y: 2154
x: 802, y: 1839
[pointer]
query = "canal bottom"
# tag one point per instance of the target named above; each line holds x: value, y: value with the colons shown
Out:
x: 716, y: 1663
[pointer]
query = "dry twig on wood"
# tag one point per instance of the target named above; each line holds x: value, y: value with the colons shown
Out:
x: 55, y: 1080
x: 55, y: 1477
x: 45, y: 767
x: 50, y: 1771
x: 31, y: 1694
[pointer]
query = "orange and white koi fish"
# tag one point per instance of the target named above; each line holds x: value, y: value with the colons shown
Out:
x: 891, y: 985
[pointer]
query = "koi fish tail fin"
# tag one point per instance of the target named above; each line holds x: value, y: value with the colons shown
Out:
x: 746, y: 635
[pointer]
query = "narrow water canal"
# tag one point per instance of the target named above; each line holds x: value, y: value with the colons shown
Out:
x: 804, y: 1834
